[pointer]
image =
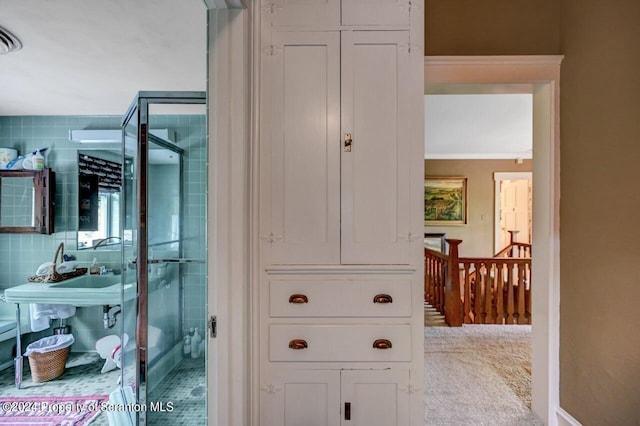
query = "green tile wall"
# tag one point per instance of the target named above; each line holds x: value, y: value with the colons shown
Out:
x: 20, y: 255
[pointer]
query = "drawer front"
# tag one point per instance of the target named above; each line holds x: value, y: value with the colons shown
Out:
x: 302, y: 342
x: 340, y: 298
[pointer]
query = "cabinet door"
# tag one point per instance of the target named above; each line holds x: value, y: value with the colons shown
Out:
x: 283, y: 13
x: 375, y: 12
x: 375, y: 397
x: 301, y: 398
x: 300, y: 150
x: 375, y: 173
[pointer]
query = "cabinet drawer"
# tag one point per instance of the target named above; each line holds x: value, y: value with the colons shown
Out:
x: 340, y: 298
x: 301, y: 342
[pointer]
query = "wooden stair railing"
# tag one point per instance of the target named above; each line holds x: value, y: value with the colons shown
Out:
x: 494, y: 290
x: 514, y: 249
x: 435, y: 271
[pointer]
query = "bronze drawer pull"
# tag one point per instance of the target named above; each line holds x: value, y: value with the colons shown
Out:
x: 382, y: 344
x: 382, y: 298
x: 298, y: 298
x: 298, y: 344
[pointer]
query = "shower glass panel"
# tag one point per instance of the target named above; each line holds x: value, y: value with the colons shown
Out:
x: 167, y: 202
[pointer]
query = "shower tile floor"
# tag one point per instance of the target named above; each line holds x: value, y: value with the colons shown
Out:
x: 185, y: 387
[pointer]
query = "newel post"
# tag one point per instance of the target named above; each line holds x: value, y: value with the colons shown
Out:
x: 452, y: 297
x: 512, y: 236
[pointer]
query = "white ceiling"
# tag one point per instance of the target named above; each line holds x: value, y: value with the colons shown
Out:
x: 91, y: 57
x: 478, y: 126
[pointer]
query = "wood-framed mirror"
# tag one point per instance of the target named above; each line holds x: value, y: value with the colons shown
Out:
x: 27, y: 201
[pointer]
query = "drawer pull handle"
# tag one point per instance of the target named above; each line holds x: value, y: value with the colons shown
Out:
x: 298, y: 298
x: 382, y: 298
x: 382, y: 344
x: 298, y: 344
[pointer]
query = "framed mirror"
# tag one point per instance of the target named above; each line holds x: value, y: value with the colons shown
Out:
x: 27, y: 201
x: 99, y: 198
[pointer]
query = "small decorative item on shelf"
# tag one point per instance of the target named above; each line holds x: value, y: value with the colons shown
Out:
x: 54, y: 276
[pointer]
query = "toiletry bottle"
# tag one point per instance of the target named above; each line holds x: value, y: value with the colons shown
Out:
x: 186, y: 347
x: 195, y: 344
x: 37, y: 161
x: 93, y: 269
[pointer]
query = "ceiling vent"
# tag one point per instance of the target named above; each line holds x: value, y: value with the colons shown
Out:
x: 8, y: 42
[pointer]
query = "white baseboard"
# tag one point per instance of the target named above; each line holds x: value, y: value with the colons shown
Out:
x: 566, y: 419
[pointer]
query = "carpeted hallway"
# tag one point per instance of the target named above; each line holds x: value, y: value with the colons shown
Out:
x: 477, y: 374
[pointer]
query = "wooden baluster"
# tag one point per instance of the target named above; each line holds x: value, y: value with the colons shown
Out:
x: 452, y: 300
x: 428, y: 282
x: 433, y: 283
x: 477, y: 309
x: 528, y: 292
x: 521, y: 301
x: 438, y: 292
x: 425, y: 279
x: 510, y: 310
x: 436, y: 285
x: 500, y: 294
x: 467, y: 294
x: 488, y: 295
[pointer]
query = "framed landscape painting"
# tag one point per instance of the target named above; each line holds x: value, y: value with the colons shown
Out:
x: 445, y: 201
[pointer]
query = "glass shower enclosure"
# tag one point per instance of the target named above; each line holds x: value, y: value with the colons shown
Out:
x: 164, y: 329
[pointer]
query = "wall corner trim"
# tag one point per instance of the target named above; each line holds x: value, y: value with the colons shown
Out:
x: 566, y: 419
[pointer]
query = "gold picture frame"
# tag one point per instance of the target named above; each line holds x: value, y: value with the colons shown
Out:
x: 445, y: 201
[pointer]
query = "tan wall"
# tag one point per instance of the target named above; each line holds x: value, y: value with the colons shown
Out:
x: 478, y: 236
x: 600, y: 208
x: 492, y: 27
x: 600, y: 205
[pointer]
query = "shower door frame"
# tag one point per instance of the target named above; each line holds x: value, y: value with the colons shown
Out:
x: 140, y: 106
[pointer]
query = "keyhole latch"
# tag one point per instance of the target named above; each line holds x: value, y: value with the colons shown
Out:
x: 347, y: 142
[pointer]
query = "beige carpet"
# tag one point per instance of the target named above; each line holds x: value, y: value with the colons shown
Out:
x: 478, y: 375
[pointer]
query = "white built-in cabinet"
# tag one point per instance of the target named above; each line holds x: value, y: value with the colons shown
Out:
x: 336, y: 176
x: 340, y: 184
x: 337, y: 398
x: 326, y: 13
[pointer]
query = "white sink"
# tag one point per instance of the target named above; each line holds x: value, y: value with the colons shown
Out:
x: 86, y: 290
x: 89, y: 282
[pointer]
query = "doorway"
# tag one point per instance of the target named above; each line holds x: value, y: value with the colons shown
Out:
x: 540, y: 75
x: 513, y: 208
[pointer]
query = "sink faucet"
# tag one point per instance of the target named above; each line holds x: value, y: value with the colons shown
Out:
x: 104, y: 241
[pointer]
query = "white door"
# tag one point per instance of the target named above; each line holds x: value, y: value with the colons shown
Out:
x: 375, y: 12
x: 300, y: 180
x: 375, y: 172
x: 280, y: 13
x: 301, y: 398
x: 375, y: 397
x: 515, y: 213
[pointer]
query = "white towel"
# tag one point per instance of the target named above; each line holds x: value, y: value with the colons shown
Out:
x: 41, y: 313
x: 121, y: 397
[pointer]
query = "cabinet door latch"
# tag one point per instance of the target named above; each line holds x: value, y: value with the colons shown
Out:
x: 213, y: 326
x: 347, y: 142
x: 347, y: 411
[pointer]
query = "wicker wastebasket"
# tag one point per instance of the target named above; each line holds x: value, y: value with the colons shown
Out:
x: 48, y: 356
